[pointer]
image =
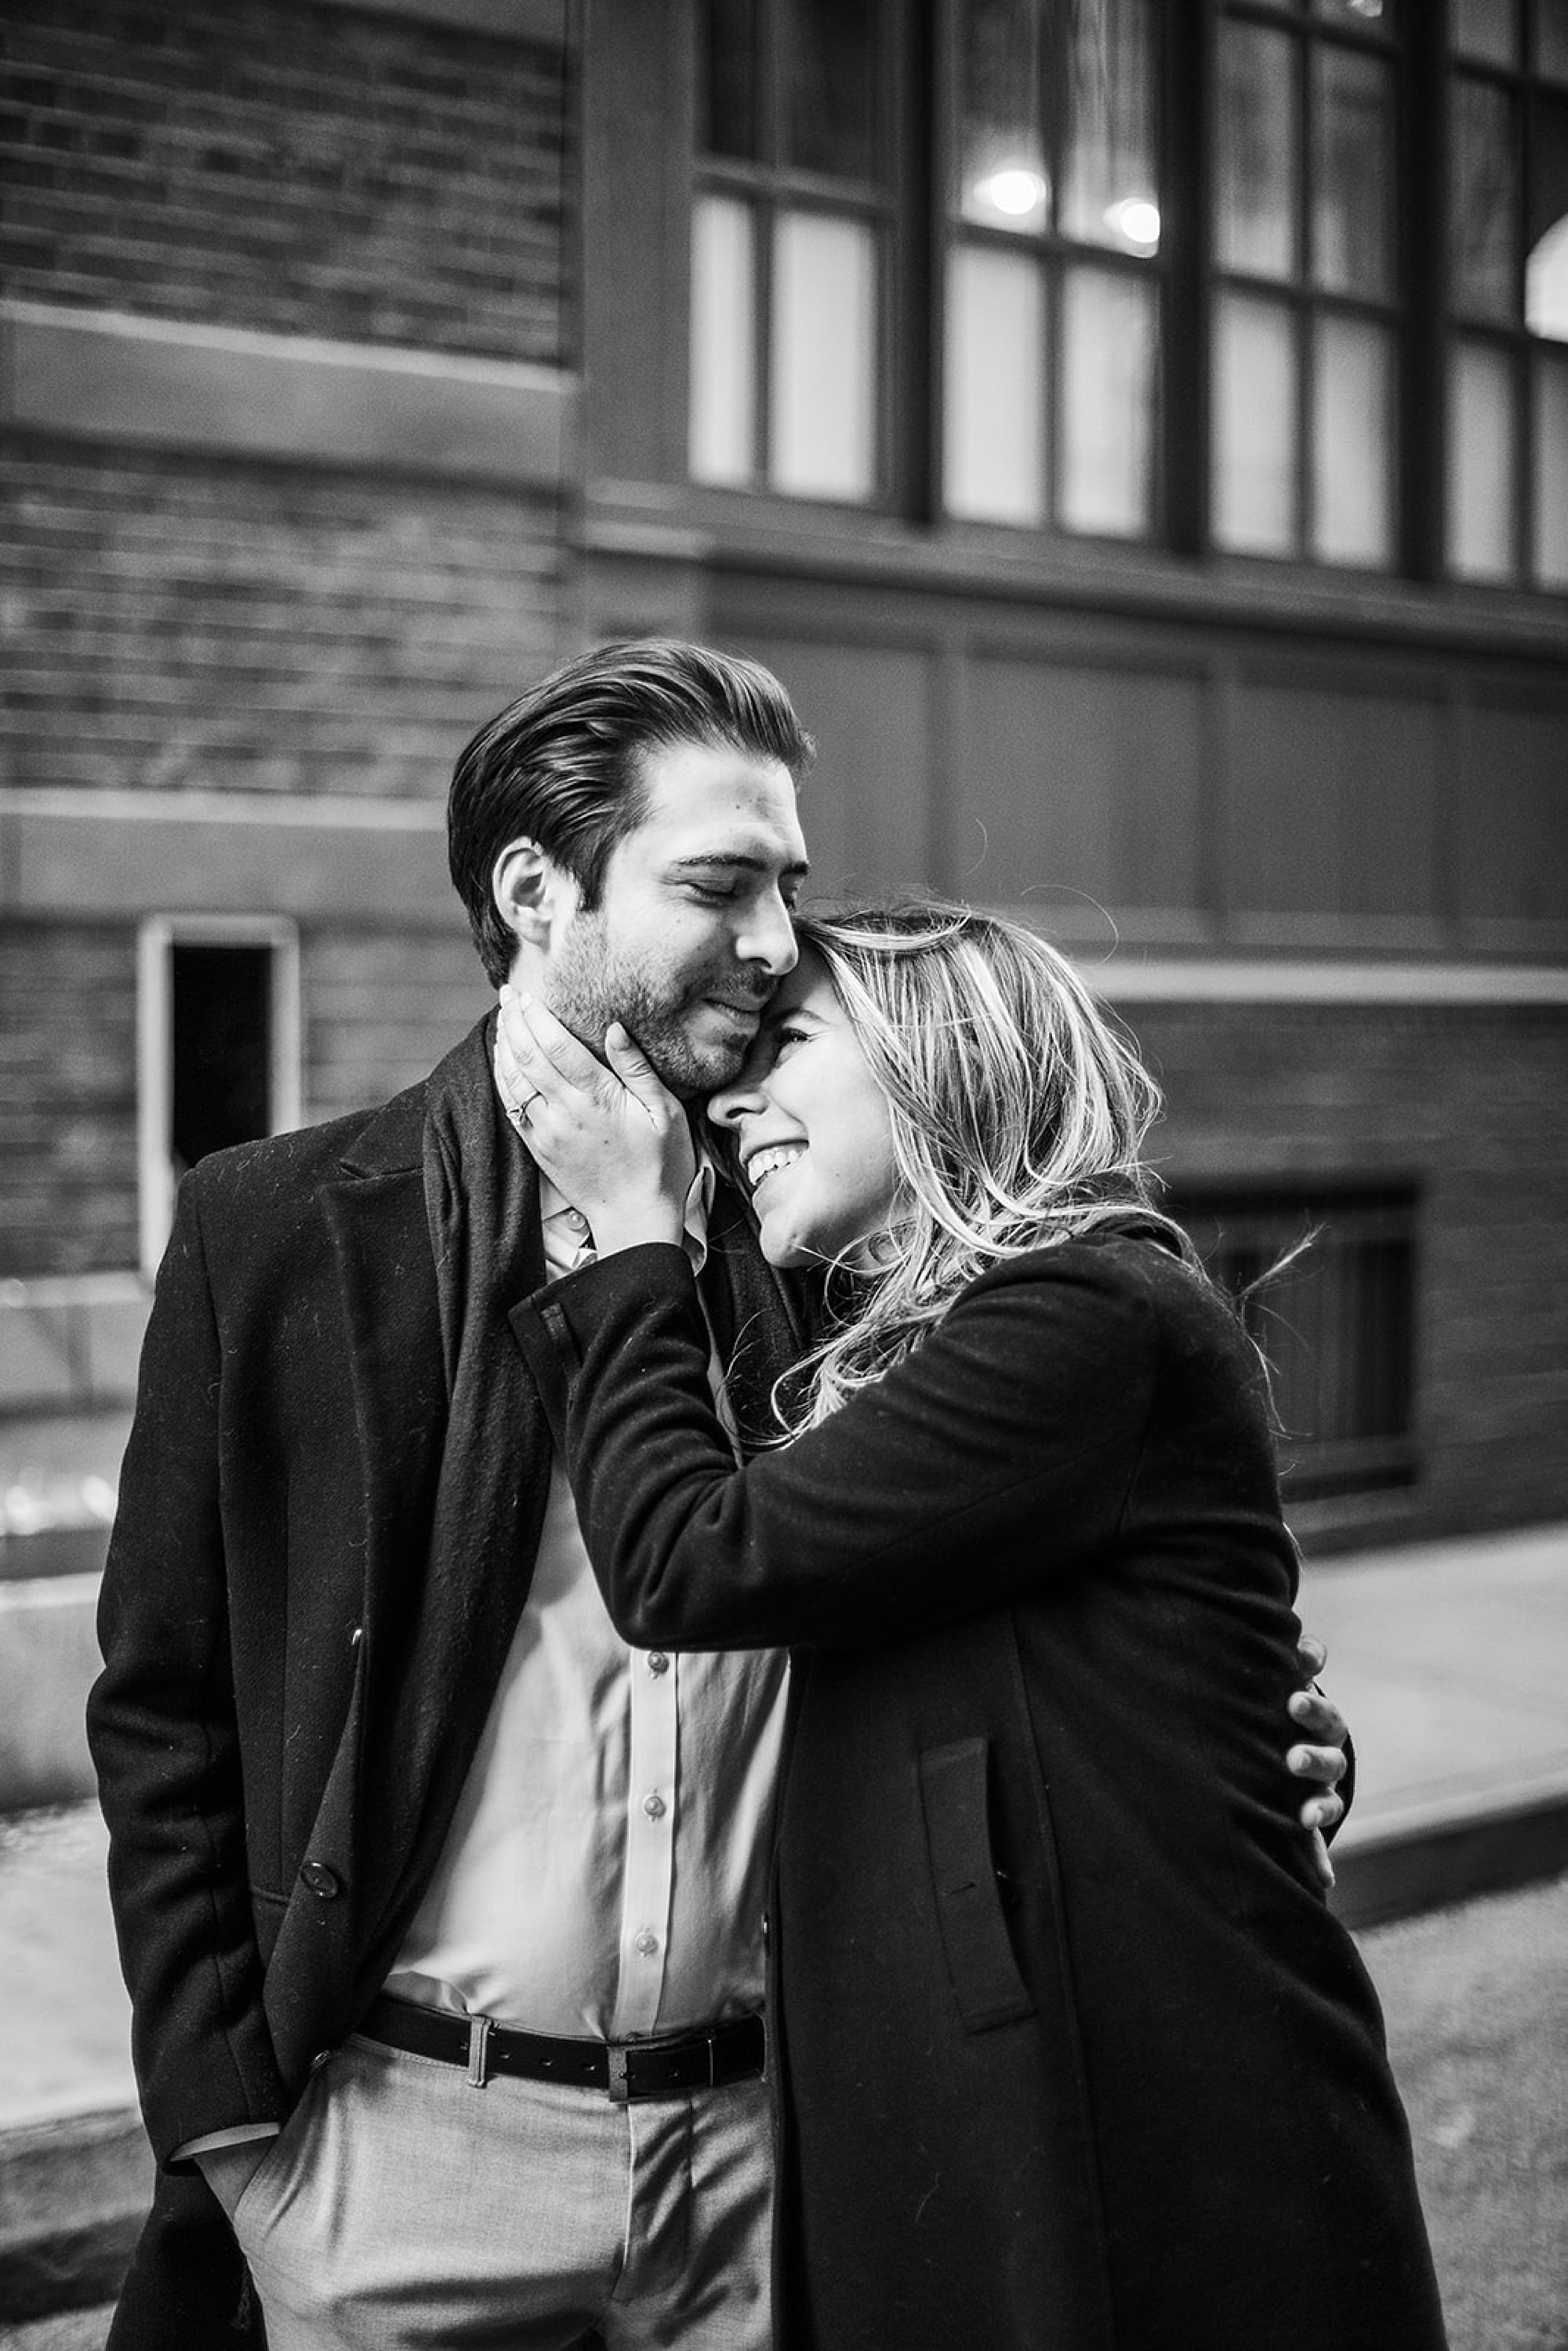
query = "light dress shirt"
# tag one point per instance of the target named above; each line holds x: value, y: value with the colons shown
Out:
x: 606, y: 1870
x: 605, y: 1873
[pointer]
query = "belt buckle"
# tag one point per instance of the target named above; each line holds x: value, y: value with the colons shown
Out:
x: 617, y: 2086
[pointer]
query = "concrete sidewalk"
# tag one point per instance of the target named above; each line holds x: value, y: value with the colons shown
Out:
x: 1451, y: 1660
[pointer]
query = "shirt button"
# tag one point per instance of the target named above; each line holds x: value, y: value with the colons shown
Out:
x: 577, y: 1220
x: 653, y: 1805
x: 647, y: 1943
x: 657, y: 1662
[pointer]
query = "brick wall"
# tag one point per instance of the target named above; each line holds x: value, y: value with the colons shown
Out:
x: 301, y: 169
x: 382, y: 1011
x: 178, y: 623
x: 67, y: 1099
x: 1472, y: 1104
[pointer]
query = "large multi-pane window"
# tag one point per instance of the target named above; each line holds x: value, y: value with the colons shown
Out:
x: 790, y: 235
x: 1280, y: 279
x: 1053, y: 311
x: 1508, y: 290
x: 1305, y: 352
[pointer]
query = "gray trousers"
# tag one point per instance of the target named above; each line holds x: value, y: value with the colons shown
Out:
x: 401, y: 2207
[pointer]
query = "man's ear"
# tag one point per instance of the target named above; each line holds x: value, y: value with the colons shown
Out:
x: 529, y: 888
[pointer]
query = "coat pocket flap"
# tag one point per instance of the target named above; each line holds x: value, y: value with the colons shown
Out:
x: 981, y: 1968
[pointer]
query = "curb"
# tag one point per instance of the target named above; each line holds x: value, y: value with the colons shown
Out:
x: 73, y: 2195
x: 1402, y: 1871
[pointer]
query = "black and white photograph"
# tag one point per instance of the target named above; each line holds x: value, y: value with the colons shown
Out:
x: 784, y: 1175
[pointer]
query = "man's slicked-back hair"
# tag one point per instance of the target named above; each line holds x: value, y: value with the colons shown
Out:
x: 562, y: 765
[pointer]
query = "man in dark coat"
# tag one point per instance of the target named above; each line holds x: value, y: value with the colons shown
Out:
x: 441, y: 1909
x: 339, y: 1743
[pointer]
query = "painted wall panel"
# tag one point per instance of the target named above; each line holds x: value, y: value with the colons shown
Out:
x: 866, y: 804
x: 1332, y: 801
x: 1078, y: 784
x: 1512, y: 818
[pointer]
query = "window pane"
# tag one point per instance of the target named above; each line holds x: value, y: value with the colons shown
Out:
x: 1258, y: 165
x: 1487, y: 28
x: 1483, y: 201
x: 1001, y: 148
x: 1552, y: 38
x: 1480, y: 464
x: 824, y: 357
x: 830, y: 67
x: 723, y: 381
x: 1552, y: 473
x: 1353, y: 138
x: 1546, y: 266
x: 726, y: 78
x: 1254, y: 427
x: 1109, y: 184
x: 1108, y: 335
x: 1352, y: 443
x: 1381, y: 13
x: 995, y: 439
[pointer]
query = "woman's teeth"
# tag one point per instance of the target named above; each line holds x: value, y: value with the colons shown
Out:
x: 768, y: 1163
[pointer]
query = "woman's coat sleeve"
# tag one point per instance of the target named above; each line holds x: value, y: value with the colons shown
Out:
x: 998, y: 1456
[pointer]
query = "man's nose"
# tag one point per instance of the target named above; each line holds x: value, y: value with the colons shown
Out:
x: 766, y: 936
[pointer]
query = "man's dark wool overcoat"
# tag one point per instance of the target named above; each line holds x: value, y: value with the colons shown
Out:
x: 293, y: 1685
x: 1075, y: 2056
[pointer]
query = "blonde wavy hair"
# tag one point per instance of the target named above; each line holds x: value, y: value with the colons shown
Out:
x: 1019, y: 1112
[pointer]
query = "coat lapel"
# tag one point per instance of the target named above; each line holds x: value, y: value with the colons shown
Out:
x: 439, y: 1616
x: 381, y: 1237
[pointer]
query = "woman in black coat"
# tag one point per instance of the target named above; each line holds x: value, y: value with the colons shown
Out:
x: 1073, y: 2054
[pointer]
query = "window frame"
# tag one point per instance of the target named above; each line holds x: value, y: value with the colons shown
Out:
x: 157, y: 938
x: 769, y: 186
x: 1055, y: 254
x: 1524, y: 85
x: 1307, y: 302
x: 920, y: 228
x: 1340, y: 1212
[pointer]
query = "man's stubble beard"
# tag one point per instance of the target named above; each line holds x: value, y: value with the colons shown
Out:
x: 588, y: 986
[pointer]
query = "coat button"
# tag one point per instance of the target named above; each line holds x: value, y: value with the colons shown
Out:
x: 323, y: 1882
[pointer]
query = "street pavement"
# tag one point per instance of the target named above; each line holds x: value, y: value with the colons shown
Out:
x: 1449, y: 1659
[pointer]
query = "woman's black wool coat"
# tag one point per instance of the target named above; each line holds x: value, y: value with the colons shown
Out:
x: 1074, y: 2055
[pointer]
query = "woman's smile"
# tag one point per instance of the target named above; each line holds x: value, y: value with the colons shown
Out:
x: 769, y: 1160
x: 812, y: 1127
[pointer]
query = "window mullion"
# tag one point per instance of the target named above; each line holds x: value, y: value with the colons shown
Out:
x: 1187, y: 247
x: 766, y: 234
x: 1421, y: 245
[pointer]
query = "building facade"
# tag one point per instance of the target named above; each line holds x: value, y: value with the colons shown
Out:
x: 1137, y: 434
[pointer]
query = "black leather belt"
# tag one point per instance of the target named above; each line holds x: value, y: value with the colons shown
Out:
x: 621, y: 2069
